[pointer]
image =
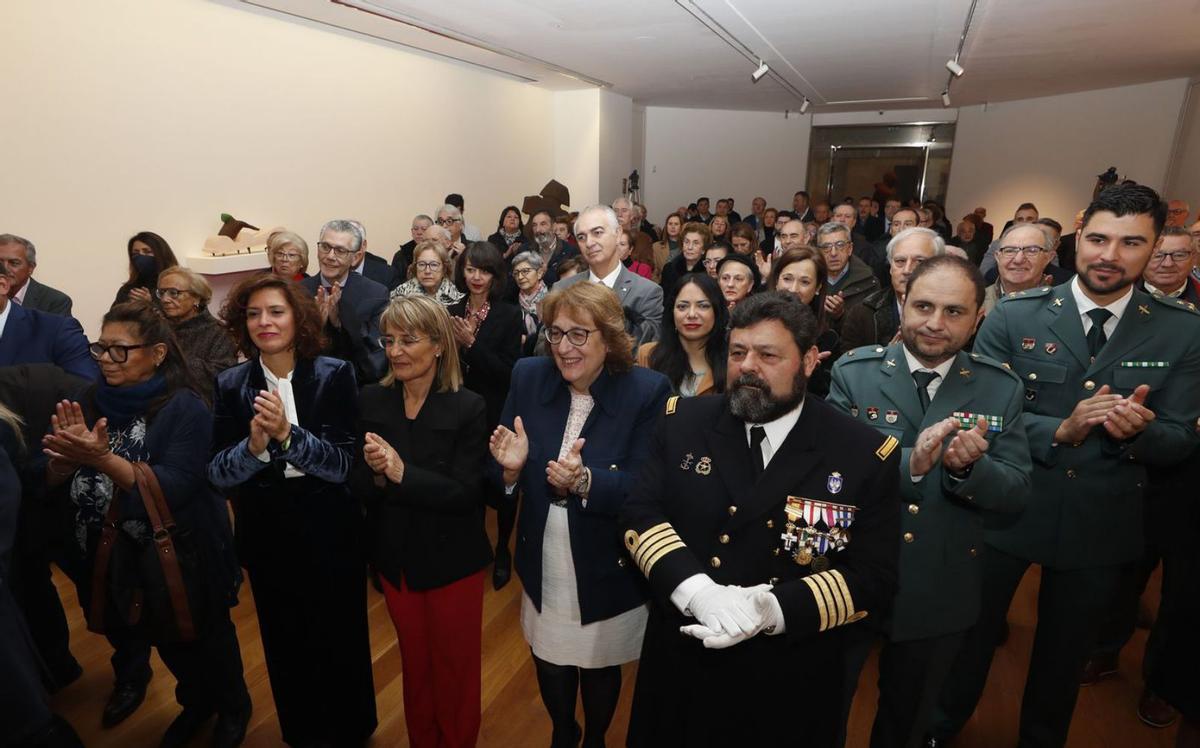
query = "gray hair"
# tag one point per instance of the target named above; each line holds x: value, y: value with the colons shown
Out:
x: 423, y: 217
x: 831, y: 227
x: 610, y: 216
x: 344, y: 226
x: 622, y: 200
x: 437, y: 232
x: 30, y: 250
x: 1048, y: 242
x: 448, y: 208
x: 533, y: 258
x: 939, y: 244
x: 361, y: 229
x: 281, y: 239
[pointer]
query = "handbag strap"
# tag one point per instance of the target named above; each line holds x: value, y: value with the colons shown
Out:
x: 162, y: 524
x: 108, y: 536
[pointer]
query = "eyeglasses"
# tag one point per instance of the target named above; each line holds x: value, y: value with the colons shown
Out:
x: 287, y: 256
x: 448, y: 221
x: 830, y: 248
x: 1178, y: 257
x: 341, y: 252
x: 170, y: 293
x: 1177, y: 211
x: 1031, y: 251
x: 522, y: 272
x: 118, y: 354
x: 429, y: 265
x: 387, y: 341
x: 712, y: 262
x: 576, y: 336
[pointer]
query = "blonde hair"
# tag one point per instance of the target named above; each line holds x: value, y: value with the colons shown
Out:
x: 431, y: 245
x: 424, y: 316
x: 195, y: 283
x: 281, y: 239
x: 13, y: 420
x: 601, y: 304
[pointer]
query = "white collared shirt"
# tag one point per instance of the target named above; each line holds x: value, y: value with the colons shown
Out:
x: 1086, y: 305
x: 1152, y: 290
x: 609, y: 280
x: 282, y: 386
x: 327, y: 284
x: 777, y: 431
x: 4, y: 317
x: 941, y: 370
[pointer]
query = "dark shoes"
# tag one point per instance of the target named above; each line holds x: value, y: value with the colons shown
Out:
x: 231, y: 729
x: 185, y: 727
x: 1154, y: 711
x: 124, y: 701
x: 1099, y: 667
x: 502, y: 571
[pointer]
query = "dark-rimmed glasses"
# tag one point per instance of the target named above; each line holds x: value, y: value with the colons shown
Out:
x: 576, y: 336
x: 118, y: 354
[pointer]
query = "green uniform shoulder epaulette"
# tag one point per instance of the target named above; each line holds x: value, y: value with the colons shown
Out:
x: 1032, y: 293
x: 1174, y: 303
x: 992, y: 363
x: 863, y: 353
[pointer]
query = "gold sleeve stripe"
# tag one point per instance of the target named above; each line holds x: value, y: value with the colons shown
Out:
x: 843, y: 590
x: 657, y: 555
x: 645, y: 550
x: 632, y: 538
x: 889, y: 445
x: 821, y: 610
x: 837, y: 615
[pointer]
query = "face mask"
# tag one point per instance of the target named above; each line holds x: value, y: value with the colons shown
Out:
x: 147, y: 270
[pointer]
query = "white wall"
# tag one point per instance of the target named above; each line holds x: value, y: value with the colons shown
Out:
x: 1184, y: 180
x: 616, y: 143
x: 718, y: 153
x: 162, y: 114
x: 577, y: 144
x: 1049, y: 150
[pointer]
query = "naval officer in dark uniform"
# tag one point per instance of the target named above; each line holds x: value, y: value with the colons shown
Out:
x: 765, y: 522
x: 1110, y: 378
x: 958, y: 417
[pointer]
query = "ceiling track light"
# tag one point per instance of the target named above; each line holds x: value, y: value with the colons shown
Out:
x: 955, y: 69
x: 946, y: 98
x: 758, y: 74
x: 804, y: 105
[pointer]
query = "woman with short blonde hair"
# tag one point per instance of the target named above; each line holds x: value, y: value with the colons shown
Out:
x: 288, y: 254
x: 183, y: 296
x: 420, y: 315
x: 430, y: 274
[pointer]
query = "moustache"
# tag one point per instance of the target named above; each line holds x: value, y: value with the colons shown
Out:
x: 1104, y: 266
x: 749, y: 380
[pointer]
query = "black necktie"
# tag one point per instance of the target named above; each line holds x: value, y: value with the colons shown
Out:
x: 923, y: 379
x: 1096, y: 337
x: 757, y: 434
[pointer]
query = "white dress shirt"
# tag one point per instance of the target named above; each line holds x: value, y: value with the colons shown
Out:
x: 609, y: 280
x: 941, y: 370
x: 1086, y: 305
x: 4, y: 317
x: 282, y: 386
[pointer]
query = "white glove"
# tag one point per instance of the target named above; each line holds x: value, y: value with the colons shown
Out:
x: 725, y: 610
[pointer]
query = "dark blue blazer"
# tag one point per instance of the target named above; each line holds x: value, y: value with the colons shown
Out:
x: 33, y: 337
x: 306, y: 523
x: 355, y: 341
x: 617, y: 439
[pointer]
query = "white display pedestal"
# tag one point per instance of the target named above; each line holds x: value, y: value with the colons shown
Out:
x: 223, y: 273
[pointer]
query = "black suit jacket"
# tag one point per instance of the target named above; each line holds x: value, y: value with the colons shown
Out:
x: 43, y: 298
x: 377, y: 269
x: 401, y: 261
x: 426, y: 530
x: 355, y: 341
x: 873, y: 322
x: 487, y: 365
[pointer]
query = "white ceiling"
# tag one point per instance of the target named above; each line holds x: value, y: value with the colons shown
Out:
x: 853, y: 54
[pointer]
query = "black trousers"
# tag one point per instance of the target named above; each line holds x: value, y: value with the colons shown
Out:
x: 1072, y: 604
x: 911, y: 674
x: 318, y: 654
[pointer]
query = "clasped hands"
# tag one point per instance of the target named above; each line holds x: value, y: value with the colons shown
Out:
x: 269, y: 422
x: 1122, y: 417
x: 967, y: 447
x: 382, y: 458
x: 327, y: 303
x: 728, y: 614
x: 511, y: 449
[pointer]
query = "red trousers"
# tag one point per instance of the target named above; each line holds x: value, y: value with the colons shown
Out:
x: 440, y: 633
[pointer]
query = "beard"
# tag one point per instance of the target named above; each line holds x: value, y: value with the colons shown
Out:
x: 1122, y: 281
x: 545, y: 242
x: 751, y: 399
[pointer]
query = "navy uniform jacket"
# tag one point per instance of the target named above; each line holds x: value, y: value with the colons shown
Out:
x: 1086, y: 505
x: 697, y: 509
x: 941, y: 533
x: 617, y: 433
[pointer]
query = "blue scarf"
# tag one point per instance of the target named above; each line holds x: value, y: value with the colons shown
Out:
x: 121, y: 405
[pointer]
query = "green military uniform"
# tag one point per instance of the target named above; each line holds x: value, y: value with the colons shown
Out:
x: 941, y: 534
x: 698, y: 509
x: 1084, y: 517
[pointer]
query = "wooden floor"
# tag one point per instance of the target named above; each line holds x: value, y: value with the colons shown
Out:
x: 513, y: 714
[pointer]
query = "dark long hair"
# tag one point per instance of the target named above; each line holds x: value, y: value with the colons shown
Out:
x: 153, y: 328
x: 520, y: 224
x: 309, y: 338
x: 484, y: 256
x: 669, y: 357
x: 163, y: 256
x: 800, y: 254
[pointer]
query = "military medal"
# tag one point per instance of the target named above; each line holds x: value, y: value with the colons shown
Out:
x: 891, y: 416
x: 804, y: 556
x: 873, y: 414
x: 1051, y: 348
x: 1027, y: 344
x: 854, y: 411
x: 967, y: 420
x: 820, y: 563
x: 704, y: 467
x: 834, y: 482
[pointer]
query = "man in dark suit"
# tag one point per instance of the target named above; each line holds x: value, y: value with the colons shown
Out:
x: 1110, y: 388
x: 864, y: 250
x: 373, y: 266
x: 350, y: 303
x: 764, y: 521
x: 20, y: 257
x: 402, y: 260
x: 28, y: 336
x: 869, y: 224
x: 876, y: 320
x: 986, y: 230
x: 931, y: 395
x: 642, y: 299
x: 800, y: 208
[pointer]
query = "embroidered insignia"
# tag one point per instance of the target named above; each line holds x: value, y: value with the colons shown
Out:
x: 1027, y: 344
x: 687, y: 462
x: 964, y: 372
x: 671, y: 402
x: 704, y: 467
x: 1058, y: 302
x: 889, y: 445
x: 834, y: 482
x: 1051, y: 348
x: 1143, y: 309
x: 891, y: 416
x: 891, y: 363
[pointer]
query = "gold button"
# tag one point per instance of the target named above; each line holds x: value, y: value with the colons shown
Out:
x: 732, y: 510
x: 715, y: 562
x: 909, y: 537
x: 724, y: 539
x: 770, y: 524
x: 1033, y: 375
x: 1070, y: 473
x: 973, y: 553
x: 913, y: 508
x: 1089, y: 385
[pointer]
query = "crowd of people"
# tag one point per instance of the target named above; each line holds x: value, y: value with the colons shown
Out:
x: 741, y: 450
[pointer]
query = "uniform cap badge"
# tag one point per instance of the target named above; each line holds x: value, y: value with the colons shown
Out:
x: 704, y: 467
x: 834, y: 482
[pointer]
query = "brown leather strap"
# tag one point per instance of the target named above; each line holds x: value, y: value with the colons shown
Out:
x: 108, y: 537
x: 162, y: 523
